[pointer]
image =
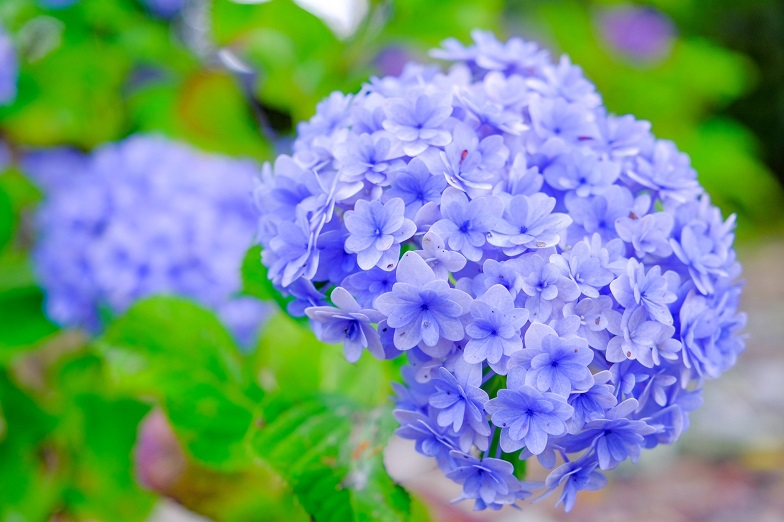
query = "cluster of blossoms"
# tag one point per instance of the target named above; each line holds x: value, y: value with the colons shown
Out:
x: 8, y: 69
x: 565, y: 285
x: 141, y: 217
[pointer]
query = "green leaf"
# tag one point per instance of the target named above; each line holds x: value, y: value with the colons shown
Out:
x: 22, y: 322
x: 29, y: 485
x: 292, y: 361
x: 207, y: 109
x: 255, y: 281
x: 330, y: 452
x: 7, y: 217
x: 174, y: 350
x: 102, y: 484
x: 288, y: 358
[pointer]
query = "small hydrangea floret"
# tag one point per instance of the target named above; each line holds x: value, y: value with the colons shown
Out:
x: 565, y: 285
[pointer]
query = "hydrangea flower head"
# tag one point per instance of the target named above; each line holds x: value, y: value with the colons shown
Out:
x: 140, y: 217
x: 565, y: 285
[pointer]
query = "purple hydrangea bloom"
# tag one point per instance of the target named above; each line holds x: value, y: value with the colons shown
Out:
x: 562, y: 271
x: 415, y: 122
x: 528, y: 222
x: 553, y: 363
x: 573, y: 477
x: 429, y: 438
x: 460, y: 402
x: 422, y: 308
x: 615, y: 438
x: 466, y: 222
x: 490, y: 482
x: 495, y: 328
x: 349, y: 323
x: 9, y: 69
x: 466, y: 163
x: 376, y: 230
x: 415, y: 186
x: 650, y: 290
x: 144, y: 216
x: 442, y: 261
x: 528, y: 417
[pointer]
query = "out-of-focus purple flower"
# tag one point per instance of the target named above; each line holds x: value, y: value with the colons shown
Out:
x: 141, y: 217
x: 55, y: 168
x: 158, y: 458
x: 391, y: 60
x: 9, y: 69
x: 165, y: 8
x: 640, y: 32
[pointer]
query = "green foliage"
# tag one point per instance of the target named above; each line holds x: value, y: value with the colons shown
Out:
x: 291, y: 430
x: 255, y: 282
x: 27, y: 488
x: 179, y: 353
x: 329, y: 451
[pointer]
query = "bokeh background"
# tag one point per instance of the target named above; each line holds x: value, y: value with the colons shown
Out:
x: 234, y: 77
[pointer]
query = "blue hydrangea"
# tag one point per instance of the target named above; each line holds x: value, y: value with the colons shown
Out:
x: 165, y: 8
x: 140, y: 217
x: 9, y: 69
x: 160, y: 8
x: 565, y: 285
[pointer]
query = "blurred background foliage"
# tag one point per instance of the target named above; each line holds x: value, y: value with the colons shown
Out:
x: 235, y: 77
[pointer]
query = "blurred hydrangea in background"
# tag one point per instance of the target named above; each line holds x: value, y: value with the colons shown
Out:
x: 641, y: 33
x: 564, y: 272
x: 8, y: 69
x: 141, y: 217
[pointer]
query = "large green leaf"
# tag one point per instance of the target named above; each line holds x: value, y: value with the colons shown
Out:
x: 290, y: 360
x: 30, y: 481
x: 330, y: 452
x: 179, y: 353
x: 22, y: 322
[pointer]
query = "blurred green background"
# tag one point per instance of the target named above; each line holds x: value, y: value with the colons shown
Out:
x: 235, y: 77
